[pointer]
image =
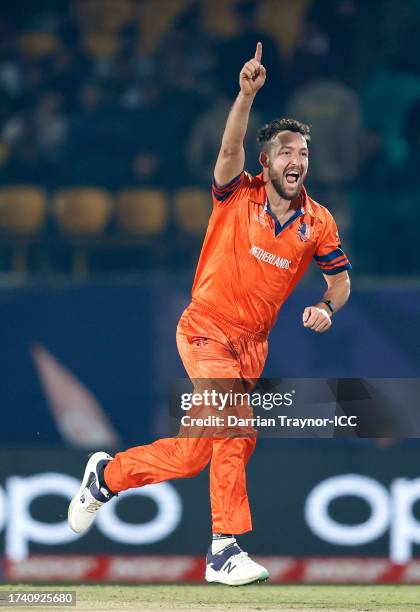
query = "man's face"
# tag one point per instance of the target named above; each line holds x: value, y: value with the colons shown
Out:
x: 287, y: 163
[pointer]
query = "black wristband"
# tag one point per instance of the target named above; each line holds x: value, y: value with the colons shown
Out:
x: 329, y: 304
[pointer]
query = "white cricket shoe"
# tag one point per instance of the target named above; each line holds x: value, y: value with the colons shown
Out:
x: 91, y: 496
x: 232, y: 566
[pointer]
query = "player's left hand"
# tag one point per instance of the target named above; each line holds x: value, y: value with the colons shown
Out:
x: 316, y: 318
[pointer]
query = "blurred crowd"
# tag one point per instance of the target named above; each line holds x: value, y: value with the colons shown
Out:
x: 135, y: 93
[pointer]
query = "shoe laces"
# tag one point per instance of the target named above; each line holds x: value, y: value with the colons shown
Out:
x: 242, y: 558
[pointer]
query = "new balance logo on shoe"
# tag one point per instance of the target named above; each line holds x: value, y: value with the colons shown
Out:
x: 228, y: 567
x: 232, y: 566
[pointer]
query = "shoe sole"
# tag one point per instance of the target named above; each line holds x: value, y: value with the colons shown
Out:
x: 259, y: 579
x: 90, y: 467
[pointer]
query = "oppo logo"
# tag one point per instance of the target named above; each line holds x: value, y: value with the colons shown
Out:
x: 21, y: 528
x: 391, y: 510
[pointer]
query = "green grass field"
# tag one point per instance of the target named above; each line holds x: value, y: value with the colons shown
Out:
x: 241, y: 599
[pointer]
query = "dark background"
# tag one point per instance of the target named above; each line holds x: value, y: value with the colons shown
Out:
x: 115, y: 94
x: 135, y: 93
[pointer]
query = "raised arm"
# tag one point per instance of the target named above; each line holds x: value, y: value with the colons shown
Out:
x: 231, y: 158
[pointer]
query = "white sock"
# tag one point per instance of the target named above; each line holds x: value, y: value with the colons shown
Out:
x: 220, y: 542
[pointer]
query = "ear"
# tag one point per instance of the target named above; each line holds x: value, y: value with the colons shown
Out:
x: 264, y: 159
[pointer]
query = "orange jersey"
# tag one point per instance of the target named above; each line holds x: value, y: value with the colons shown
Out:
x: 249, y: 264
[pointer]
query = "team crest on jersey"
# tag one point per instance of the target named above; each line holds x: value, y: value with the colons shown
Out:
x: 303, y: 232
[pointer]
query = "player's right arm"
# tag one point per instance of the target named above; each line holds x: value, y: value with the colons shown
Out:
x: 231, y: 158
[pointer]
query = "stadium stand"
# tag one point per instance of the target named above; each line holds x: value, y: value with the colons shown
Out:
x: 81, y: 214
x: 142, y: 213
x: 22, y: 214
x: 192, y: 208
x: 98, y: 92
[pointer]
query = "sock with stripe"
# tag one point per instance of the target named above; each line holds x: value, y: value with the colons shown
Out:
x: 220, y: 541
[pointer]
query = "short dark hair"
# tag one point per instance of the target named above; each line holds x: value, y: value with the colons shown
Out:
x: 268, y: 131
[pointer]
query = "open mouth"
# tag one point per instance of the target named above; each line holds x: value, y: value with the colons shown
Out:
x: 292, y: 177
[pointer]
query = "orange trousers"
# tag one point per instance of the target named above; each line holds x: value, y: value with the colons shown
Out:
x: 209, y: 348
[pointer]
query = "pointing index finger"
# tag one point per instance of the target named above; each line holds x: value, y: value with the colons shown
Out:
x: 258, y: 52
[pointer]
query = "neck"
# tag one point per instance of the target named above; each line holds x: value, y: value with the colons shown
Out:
x: 279, y: 205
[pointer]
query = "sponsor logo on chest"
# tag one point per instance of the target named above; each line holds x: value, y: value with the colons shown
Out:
x: 266, y: 257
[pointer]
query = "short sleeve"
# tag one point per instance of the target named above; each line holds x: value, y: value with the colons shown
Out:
x: 222, y: 195
x: 329, y: 256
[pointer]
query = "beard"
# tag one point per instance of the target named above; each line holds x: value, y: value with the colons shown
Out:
x: 278, y: 186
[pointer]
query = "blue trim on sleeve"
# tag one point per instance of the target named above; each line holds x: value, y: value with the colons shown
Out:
x: 337, y: 262
x: 330, y: 256
x: 347, y: 266
x: 221, y: 197
x: 217, y: 187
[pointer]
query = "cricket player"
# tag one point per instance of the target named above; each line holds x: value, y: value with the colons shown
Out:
x: 262, y: 234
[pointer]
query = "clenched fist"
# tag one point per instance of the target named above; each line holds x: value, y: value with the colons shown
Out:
x: 316, y: 318
x: 252, y: 75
